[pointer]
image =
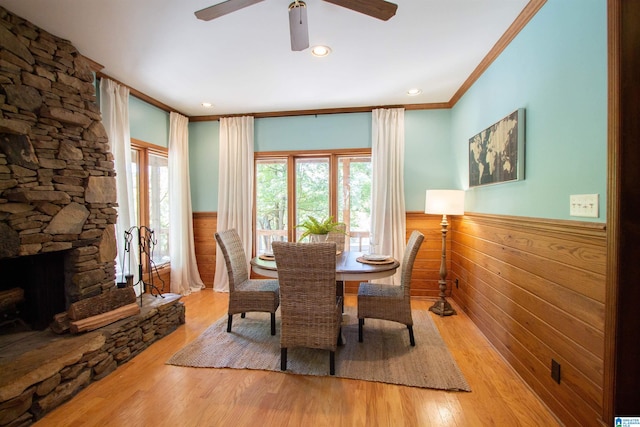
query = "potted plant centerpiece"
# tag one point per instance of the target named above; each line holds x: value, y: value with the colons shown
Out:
x: 317, y: 230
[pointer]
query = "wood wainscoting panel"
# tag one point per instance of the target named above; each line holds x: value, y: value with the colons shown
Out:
x: 536, y: 289
x: 426, y: 268
x: 204, y: 228
x: 161, y: 279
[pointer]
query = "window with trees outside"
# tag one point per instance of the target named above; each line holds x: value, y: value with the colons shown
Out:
x: 150, y: 168
x: 292, y: 186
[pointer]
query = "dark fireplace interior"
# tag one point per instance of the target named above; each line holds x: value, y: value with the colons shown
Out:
x: 42, y: 278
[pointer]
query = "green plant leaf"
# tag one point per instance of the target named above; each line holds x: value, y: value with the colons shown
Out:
x: 312, y: 225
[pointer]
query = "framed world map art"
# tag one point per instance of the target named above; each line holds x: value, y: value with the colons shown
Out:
x: 496, y: 154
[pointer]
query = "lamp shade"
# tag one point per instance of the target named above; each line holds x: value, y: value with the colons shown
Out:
x: 444, y: 202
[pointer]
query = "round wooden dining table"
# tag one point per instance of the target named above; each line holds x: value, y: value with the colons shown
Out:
x: 348, y: 268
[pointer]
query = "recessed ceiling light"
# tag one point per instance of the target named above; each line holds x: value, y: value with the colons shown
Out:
x: 320, y: 51
x: 414, y: 92
x: 207, y: 105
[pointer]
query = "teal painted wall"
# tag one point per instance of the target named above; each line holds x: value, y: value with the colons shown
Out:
x: 317, y: 132
x: 429, y: 158
x: 148, y: 123
x: 204, y: 143
x: 556, y: 69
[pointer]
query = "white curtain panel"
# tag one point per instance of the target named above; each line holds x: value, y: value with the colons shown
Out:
x: 185, y: 277
x: 235, y: 188
x: 388, y: 218
x: 114, y: 105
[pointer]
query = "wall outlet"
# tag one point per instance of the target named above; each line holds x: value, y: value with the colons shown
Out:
x: 555, y: 371
x: 585, y: 205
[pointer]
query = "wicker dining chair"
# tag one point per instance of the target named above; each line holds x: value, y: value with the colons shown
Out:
x: 311, y: 313
x: 338, y: 235
x: 245, y: 294
x: 391, y: 302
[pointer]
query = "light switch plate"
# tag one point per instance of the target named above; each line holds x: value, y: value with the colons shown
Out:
x: 585, y: 205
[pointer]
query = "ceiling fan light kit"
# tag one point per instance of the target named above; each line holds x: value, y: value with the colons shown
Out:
x: 298, y: 28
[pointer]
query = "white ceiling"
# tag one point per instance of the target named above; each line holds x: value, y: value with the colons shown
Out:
x: 242, y: 62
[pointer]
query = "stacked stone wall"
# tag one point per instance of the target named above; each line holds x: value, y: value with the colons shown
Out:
x: 57, y: 177
x: 57, y: 193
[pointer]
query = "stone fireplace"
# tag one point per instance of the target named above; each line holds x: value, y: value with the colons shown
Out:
x: 57, y: 179
x: 57, y: 224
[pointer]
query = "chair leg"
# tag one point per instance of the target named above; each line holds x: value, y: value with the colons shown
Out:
x: 283, y: 359
x: 229, y: 321
x: 273, y: 323
x: 411, y: 339
x: 243, y: 315
x: 360, y: 325
x: 340, y: 340
x: 332, y: 363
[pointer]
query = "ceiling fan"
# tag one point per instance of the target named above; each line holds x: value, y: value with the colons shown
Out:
x: 298, y: 28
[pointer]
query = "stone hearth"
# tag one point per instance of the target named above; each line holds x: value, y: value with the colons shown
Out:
x: 41, y: 370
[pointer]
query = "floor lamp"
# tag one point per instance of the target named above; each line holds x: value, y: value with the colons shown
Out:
x: 444, y: 202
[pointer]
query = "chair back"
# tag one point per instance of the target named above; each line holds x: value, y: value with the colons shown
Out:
x: 307, y: 274
x: 234, y: 256
x: 310, y: 312
x: 308, y: 306
x: 338, y: 235
x: 410, y: 253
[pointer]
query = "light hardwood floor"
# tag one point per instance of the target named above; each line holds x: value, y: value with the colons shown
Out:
x: 146, y: 392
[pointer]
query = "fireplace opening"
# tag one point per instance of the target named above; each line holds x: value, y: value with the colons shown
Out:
x: 41, y: 278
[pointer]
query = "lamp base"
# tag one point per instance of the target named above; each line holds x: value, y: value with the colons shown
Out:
x: 442, y: 308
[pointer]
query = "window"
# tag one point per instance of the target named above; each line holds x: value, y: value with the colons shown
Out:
x: 150, y: 166
x: 292, y: 186
x: 271, y: 202
x: 354, y: 199
x: 312, y: 196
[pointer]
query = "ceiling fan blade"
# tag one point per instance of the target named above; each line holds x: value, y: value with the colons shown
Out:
x: 380, y: 9
x: 298, y: 28
x: 217, y: 10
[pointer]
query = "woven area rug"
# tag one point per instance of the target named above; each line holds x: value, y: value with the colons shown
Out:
x: 384, y: 356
